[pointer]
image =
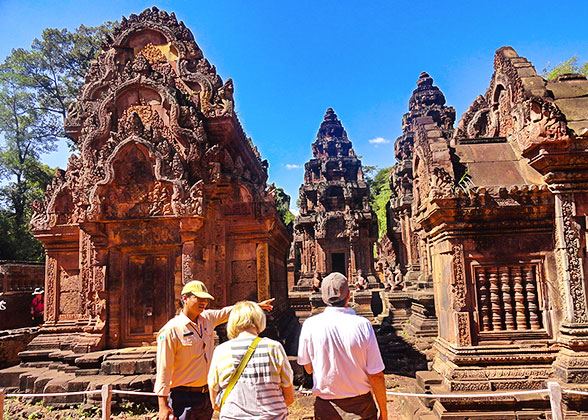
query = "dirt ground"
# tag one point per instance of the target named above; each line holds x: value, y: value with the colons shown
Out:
x: 300, y: 410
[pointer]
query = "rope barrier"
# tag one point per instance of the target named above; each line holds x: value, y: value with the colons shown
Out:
x: 308, y: 392
x: 149, y: 394
x: 55, y: 394
x: 305, y: 392
x: 572, y: 391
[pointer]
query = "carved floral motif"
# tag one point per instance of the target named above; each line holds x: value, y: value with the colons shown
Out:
x: 458, y: 286
x: 571, y: 238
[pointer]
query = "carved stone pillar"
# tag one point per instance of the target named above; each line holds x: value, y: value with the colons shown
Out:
x: 263, y: 291
x: 188, y: 265
x: 521, y: 319
x: 506, y: 298
x: 484, y: 297
x: 459, y: 297
x: 571, y: 364
x: 567, y: 252
x: 51, y: 290
x: 495, y: 300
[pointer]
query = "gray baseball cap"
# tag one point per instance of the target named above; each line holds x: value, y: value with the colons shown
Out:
x: 334, y: 288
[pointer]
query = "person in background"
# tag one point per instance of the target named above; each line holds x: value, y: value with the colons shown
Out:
x: 340, y: 350
x: 360, y: 281
x: 38, y: 306
x: 316, y: 282
x: 264, y: 389
x: 184, y: 351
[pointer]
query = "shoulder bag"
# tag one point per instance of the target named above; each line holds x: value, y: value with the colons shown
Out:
x: 237, y: 373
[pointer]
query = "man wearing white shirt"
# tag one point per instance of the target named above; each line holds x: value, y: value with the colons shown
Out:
x: 340, y: 350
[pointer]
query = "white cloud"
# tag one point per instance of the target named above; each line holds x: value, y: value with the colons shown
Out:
x: 292, y: 166
x: 379, y: 140
x: 294, y: 211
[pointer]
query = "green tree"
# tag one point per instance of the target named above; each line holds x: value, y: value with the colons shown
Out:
x: 283, y: 207
x: 55, y: 65
x: 568, y: 66
x: 379, y: 196
x: 36, y: 88
x: 27, y: 133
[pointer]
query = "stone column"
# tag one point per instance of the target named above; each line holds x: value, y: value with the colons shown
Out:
x: 571, y: 364
x: 51, y: 289
x: 567, y: 251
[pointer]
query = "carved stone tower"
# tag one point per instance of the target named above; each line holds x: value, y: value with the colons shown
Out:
x: 336, y: 228
x: 166, y: 188
x: 427, y: 100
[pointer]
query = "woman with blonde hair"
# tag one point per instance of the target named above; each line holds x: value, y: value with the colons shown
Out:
x: 250, y: 377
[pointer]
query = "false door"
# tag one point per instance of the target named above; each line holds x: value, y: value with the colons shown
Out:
x: 147, y: 303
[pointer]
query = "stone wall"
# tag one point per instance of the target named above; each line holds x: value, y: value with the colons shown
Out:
x: 12, y: 342
x: 17, y: 282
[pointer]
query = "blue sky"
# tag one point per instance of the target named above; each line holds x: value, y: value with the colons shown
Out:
x: 290, y: 61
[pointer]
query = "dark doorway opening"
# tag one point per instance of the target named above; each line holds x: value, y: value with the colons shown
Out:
x: 338, y: 262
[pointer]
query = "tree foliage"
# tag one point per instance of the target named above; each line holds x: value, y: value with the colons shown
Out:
x: 569, y: 66
x: 379, y: 196
x: 283, y: 207
x: 36, y: 88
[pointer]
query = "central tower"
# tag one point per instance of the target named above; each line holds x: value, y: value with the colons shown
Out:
x: 336, y: 228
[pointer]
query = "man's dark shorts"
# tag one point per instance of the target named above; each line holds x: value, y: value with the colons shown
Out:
x: 190, y: 405
x: 361, y: 407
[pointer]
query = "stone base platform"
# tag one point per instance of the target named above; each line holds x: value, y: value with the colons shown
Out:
x: 516, y: 407
x: 49, y: 371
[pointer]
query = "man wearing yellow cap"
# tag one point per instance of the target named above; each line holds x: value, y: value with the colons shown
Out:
x: 184, y: 350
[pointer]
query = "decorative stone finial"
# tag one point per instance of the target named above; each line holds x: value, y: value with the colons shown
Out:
x: 330, y: 115
x: 425, y: 80
x: 425, y: 94
x: 331, y: 127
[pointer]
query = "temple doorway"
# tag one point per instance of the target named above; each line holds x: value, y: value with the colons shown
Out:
x: 146, y: 299
x: 338, y: 262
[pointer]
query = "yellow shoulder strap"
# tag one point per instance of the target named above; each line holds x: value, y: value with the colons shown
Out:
x: 237, y: 373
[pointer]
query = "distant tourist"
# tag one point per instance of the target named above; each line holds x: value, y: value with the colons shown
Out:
x: 340, y: 350
x: 184, y: 351
x: 360, y: 281
x: 262, y: 389
x: 316, y: 282
x: 38, y: 306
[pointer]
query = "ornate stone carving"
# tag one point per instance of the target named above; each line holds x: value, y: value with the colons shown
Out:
x: 521, y: 319
x: 521, y: 314
x: 506, y: 298
x: 458, y: 286
x: 571, y: 244
x: 158, y: 142
x: 463, y: 328
x: 51, y: 292
x: 334, y: 208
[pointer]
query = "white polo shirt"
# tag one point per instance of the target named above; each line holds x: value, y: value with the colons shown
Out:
x: 343, y: 350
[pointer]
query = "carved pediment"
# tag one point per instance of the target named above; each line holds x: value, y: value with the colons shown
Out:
x: 152, y: 93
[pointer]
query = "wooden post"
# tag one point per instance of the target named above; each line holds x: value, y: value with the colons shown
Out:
x: 106, y: 399
x: 555, y: 400
x: 2, y: 403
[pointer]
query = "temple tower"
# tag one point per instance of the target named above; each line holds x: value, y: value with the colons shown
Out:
x: 166, y: 188
x: 407, y: 244
x: 336, y: 228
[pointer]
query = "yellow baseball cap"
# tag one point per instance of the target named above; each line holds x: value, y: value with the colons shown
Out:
x: 198, y: 289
